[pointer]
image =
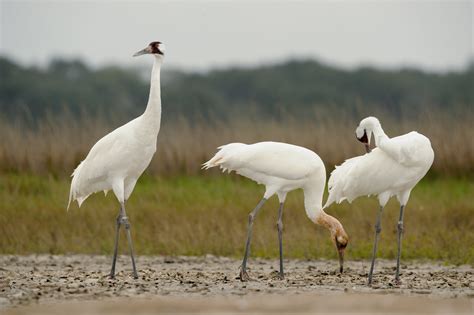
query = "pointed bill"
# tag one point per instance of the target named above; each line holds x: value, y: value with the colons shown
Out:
x: 142, y: 52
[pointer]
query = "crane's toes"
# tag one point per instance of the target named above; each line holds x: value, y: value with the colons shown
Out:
x: 244, y: 276
x: 278, y: 275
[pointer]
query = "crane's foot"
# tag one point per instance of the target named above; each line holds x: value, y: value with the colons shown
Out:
x: 135, y: 275
x: 369, y: 281
x: 280, y: 276
x: 277, y: 275
x: 398, y: 281
x: 244, y: 276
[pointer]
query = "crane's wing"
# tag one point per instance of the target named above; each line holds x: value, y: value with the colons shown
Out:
x: 270, y: 158
x: 409, y: 149
x: 369, y: 174
x: 395, y: 165
x: 106, y: 155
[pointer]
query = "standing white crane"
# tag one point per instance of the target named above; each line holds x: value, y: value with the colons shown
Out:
x: 391, y: 169
x: 117, y: 160
x: 281, y: 167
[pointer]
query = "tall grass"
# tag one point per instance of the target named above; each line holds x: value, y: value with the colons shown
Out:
x: 57, y: 144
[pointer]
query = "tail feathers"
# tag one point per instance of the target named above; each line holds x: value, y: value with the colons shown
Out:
x: 73, y: 197
x: 70, y: 200
x: 331, y: 199
x: 211, y: 163
x: 338, y: 181
x: 223, y: 154
x: 80, y: 200
x: 73, y: 191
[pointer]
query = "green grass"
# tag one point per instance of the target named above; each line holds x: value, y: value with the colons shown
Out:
x: 208, y: 214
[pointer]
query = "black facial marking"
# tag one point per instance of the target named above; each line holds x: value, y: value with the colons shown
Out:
x: 155, y: 48
x: 364, y: 138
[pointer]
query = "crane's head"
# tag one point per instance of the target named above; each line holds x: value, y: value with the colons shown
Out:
x: 338, y: 234
x: 340, y: 240
x: 154, y: 48
x: 365, y: 129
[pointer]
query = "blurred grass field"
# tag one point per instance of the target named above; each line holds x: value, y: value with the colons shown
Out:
x: 57, y: 144
x: 207, y: 214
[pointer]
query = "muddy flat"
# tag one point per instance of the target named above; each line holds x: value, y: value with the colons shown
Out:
x: 79, y: 284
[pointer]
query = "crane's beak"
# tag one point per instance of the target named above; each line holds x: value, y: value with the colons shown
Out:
x: 361, y: 135
x: 341, y: 260
x: 142, y: 52
x: 367, y: 147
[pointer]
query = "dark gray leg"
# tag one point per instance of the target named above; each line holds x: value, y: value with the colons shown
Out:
x: 280, y: 240
x: 243, y: 271
x: 378, y: 228
x: 129, y: 237
x: 400, y: 232
x: 117, y: 230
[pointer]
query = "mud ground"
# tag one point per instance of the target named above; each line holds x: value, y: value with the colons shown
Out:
x: 79, y: 284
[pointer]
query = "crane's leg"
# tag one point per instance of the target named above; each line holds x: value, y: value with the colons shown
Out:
x: 243, y: 269
x: 280, y: 238
x: 378, y: 228
x: 126, y: 223
x: 400, y: 232
x: 117, y: 233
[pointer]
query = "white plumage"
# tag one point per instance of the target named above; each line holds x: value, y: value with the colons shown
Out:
x: 281, y: 167
x: 393, y: 168
x: 117, y: 160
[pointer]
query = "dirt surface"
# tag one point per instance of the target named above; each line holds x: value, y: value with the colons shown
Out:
x: 209, y: 283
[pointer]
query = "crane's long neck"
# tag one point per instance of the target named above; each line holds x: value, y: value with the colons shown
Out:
x: 152, y: 112
x: 313, y: 199
x: 379, y: 135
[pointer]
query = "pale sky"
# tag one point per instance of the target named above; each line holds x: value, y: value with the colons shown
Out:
x: 201, y: 35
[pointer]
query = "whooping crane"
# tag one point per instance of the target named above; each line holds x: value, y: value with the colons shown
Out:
x: 281, y: 167
x: 393, y: 168
x: 117, y: 160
